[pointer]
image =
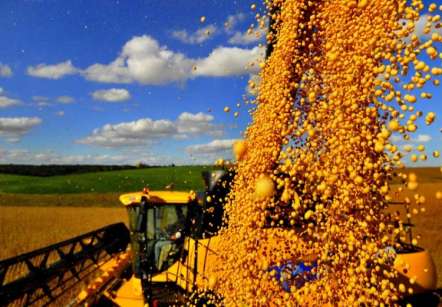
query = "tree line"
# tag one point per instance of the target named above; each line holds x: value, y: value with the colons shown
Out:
x: 55, y: 170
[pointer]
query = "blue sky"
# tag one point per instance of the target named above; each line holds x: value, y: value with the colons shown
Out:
x: 125, y: 81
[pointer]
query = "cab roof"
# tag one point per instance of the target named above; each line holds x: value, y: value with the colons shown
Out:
x: 158, y: 197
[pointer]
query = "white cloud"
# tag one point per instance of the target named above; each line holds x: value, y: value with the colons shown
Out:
x: 233, y: 20
x: 144, y: 61
x: 197, y: 37
x: 19, y: 156
x: 8, y: 102
x: 146, y: 130
x: 214, y: 147
x: 41, y: 101
x: 43, y: 104
x: 419, y: 27
x: 13, y: 128
x: 422, y: 138
x: 111, y: 95
x: 194, y: 124
x: 5, y: 70
x: 65, y: 99
x: 60, y: 113
x: 1, y: 90
x: 228, y: 61
x: 247, y: 37
x: 40, y: 98
x: 55, y: 71
x: 133, y: 133
x: 253, y: 84
x: 396, y: 138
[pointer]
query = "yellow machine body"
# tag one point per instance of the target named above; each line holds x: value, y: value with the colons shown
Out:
x: 417, y: 271
x: 158, y: 197
x: 181, y: 273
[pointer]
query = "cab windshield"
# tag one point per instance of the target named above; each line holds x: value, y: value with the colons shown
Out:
x: 164, y: 221
x: 157, y: 234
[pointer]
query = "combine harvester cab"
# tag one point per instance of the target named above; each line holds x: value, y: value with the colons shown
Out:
x: 171, y: 234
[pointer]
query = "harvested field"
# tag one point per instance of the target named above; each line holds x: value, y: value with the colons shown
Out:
x: 23, y: 229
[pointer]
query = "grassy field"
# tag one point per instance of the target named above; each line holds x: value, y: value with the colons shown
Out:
x: 184, y: 177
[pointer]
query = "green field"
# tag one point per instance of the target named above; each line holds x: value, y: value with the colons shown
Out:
x: 184, y: 178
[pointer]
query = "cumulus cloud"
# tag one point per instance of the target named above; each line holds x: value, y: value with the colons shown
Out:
x: 253, y: 85
x: 214, y: 147
x: 54, y: 72
x: 111, y: 95
x: 233, y: 20
x: 247, y: 37
x: 41, y: 101
x: 6, y: 102
x: 40, y: 98
x: 133, y: 133
x: 197, y: 37
x: 146, y: 130
x: 13, y: 128
x: 19, y: 156
x: 228, y: 61
x: 144, y: 61
x: 5, y: 70
x: 194, y: 124
x: 65, y: 99
x: 419, y: 27
x: 420, y: 138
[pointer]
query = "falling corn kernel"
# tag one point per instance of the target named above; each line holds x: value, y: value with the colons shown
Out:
x: 308, y: 214
x: 362, y: 3
x: 264, y: 188
x: 394, y: 125
x: 239, y: 149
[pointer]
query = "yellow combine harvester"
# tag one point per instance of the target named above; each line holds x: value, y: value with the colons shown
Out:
x: 173, y: 235
x: 172, y: 239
